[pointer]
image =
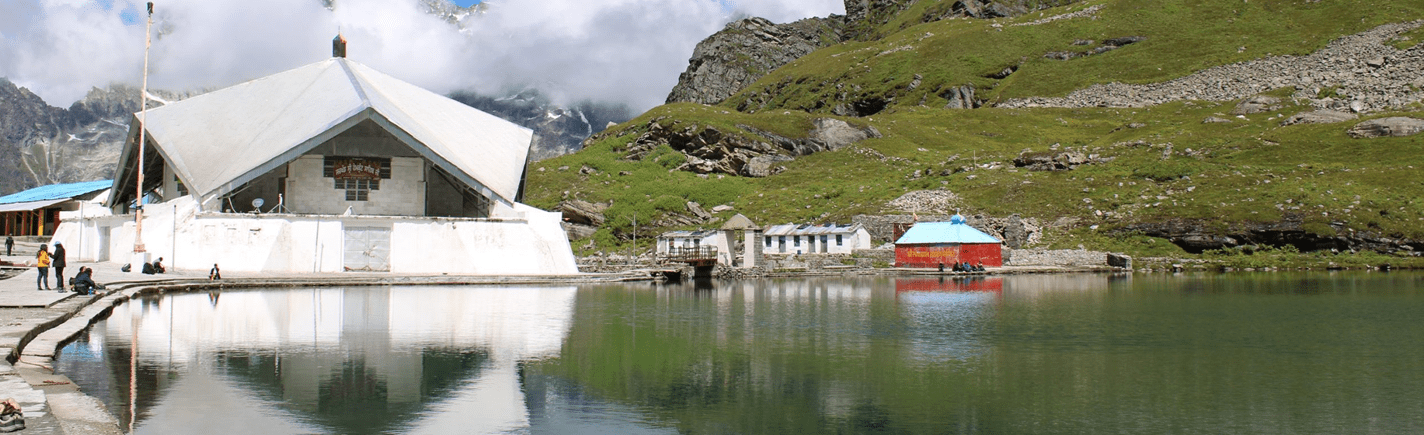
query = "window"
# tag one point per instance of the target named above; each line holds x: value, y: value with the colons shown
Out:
x: 838, y: 240
x: 768, y: 241
x: 823, y: 240
x: 358, y: 176
x: 796, y: 240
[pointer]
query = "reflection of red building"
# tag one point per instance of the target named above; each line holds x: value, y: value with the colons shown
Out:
x: 943, y: 284
x: 931, y: 244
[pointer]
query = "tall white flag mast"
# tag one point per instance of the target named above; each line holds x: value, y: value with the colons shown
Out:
x: 142, y: 142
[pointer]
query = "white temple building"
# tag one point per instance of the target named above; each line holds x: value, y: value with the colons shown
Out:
x: 328, y: 167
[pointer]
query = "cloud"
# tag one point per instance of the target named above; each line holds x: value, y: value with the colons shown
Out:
x: 627, y: 51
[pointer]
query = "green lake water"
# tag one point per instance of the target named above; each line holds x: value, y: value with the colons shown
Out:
x: 1268, y: 353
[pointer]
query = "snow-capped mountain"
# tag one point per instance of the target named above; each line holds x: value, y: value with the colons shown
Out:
x: 43, y: 144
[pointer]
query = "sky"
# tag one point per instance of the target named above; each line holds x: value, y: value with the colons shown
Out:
x: 617, y: 51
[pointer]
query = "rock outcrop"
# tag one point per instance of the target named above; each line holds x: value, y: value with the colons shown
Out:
x: 1397, y: 126
x: 1064, y: 160
x: 1196, y: 236
x: 1324, y: 116
x: 730, y: 60
x: 749, y: 152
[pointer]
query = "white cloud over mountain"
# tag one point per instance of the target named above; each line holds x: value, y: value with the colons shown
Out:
x: 627, y: 51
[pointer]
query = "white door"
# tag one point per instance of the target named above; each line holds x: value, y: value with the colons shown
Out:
x: 367, y: 249
x: 103, y: 244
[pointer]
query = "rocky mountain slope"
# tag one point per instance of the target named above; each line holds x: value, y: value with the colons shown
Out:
x: 557, y: 130
x: 41, y: 144
x: 746, y: 50
x: 1136, y: 125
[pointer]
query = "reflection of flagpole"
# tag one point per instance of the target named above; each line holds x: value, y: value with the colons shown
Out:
x: 133, y: 366
x: 142, y: 134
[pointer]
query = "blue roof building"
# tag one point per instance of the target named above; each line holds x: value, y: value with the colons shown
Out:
x: 35, y: 212
x: 934, y: 244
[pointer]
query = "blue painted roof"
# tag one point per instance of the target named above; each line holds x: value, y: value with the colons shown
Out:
x: 56, y: 191
x: 944, y: 232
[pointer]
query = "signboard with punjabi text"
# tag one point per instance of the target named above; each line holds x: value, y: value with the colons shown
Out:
x: 357, y: 169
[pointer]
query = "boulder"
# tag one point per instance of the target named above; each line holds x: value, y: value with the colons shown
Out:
x: 1050, y: 160
x: 1393, y: 126
x: 1124, y: 40
x: 1318, y: 117
x: 765, y: 165
x: 960, y: 97
x: 578, y: 231
x: 1214, y: 120
x: 1257, y: 104
x: 1015, y: 235
x: 583, y: 212
x: 832, y: 134
x: 696, y: 210
x: 1119, y: 261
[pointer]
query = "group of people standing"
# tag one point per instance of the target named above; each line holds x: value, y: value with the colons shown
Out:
x: 45, y: 260
x: 83, y: 281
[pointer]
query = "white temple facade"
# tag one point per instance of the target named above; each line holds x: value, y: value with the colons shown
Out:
x: 329, y: 167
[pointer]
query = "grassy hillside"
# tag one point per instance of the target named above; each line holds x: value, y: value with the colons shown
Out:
x: 1164, y: 162
x: 1182, y: 36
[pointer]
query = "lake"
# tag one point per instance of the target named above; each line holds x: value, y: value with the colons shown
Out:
x: 1265, y: 353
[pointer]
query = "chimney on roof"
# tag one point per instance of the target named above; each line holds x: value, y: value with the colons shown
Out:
x: 338, y: 46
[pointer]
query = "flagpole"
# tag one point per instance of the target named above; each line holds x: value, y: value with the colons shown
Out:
x: 142, y: 136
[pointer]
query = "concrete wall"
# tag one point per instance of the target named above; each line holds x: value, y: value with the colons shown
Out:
x: 308, y: 192
x: 529, y: 241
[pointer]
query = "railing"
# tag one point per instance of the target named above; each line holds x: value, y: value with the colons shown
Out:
x: 690, y: 255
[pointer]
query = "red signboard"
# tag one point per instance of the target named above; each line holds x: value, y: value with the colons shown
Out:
x: 356, y: 169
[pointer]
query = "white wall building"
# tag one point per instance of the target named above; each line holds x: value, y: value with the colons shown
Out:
x: 329, y: 167
x: 815, y: 239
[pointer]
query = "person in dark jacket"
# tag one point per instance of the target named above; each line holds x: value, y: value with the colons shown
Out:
x: 84, y: 281
x: 9, y: 245
x: 57, y: 261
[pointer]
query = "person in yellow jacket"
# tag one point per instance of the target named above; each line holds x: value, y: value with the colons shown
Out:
x: 42, y: 260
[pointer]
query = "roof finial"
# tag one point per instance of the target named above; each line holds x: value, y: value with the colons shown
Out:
x: 338, y: 46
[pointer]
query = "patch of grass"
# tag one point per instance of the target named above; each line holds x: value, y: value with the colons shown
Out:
x: 1408, y: 40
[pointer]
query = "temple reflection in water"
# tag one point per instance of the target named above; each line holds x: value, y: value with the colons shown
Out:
x: 626, y: 359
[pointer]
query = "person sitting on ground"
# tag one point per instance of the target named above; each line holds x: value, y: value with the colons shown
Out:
x: 83, y: 282
x: 158, y: 266
x: 147, y: 269
x: 980, y: 266
x: 214, y: 274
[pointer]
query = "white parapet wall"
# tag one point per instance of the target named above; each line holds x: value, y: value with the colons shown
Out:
x: 526, y: 241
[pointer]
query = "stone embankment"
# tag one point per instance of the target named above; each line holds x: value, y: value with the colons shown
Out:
x: 1358, y: 73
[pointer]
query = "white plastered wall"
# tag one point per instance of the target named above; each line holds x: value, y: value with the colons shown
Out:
x: 530, y: 242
